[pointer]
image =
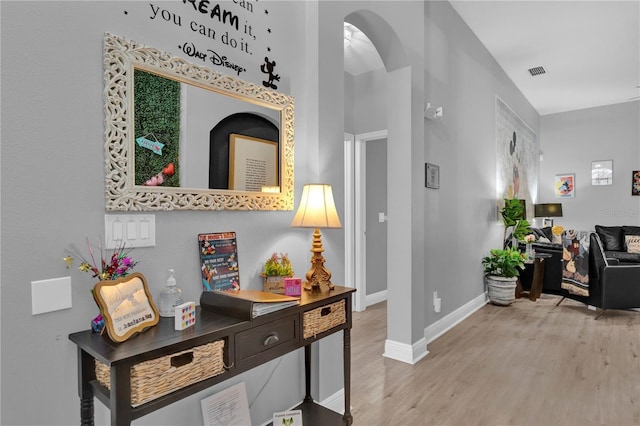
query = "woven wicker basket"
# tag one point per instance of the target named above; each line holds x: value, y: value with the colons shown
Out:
x: 322, y: 319
x: 156, y: 377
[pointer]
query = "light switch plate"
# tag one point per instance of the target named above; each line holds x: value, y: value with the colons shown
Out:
x: 50, y: 295
x: 134, y: 230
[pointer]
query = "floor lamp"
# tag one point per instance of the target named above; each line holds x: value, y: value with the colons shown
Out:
x: 317, y: 210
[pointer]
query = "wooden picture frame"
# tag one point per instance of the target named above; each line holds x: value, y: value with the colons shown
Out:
x: 126, y: 306
x: 431, y: 175
x: 253, y: 163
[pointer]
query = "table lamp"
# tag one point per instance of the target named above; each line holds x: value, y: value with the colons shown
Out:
x: 317, y: 210
x: 547, y: 211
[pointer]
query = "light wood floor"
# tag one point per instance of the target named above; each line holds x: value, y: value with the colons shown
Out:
x: 531, y: 363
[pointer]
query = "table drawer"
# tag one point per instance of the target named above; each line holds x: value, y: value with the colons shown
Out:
x: 323, y: 318
x: 267, y: 338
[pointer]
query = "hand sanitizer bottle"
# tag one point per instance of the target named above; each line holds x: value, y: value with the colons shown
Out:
x: 170, y: 297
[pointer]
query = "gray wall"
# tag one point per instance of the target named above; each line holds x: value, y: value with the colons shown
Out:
x: 53, y: 183
x: 53, y: 195
x: 570, y: 141
x: 460, y: 217
x: 376, y: 203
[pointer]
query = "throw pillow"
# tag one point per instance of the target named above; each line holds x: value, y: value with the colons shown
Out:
x: 631, y: 230
x: 612, y: 237
x: 633, y: 243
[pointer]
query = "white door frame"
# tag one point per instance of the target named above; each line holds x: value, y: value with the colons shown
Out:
x: 355, y: 212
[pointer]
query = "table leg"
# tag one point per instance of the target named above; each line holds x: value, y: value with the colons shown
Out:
x: 86, y: 373
x: 538, y: 275
x: 120, y: 394
x: 307, y: 373
x: 347, y: 376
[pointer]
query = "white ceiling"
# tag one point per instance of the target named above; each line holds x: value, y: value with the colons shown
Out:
x: 589, y: 49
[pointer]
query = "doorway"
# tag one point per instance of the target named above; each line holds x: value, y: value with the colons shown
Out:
x: 366, y: 216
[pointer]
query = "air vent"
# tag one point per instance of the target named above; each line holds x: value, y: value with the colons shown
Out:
x: 536, y: 71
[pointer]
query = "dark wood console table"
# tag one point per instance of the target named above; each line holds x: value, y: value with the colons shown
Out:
x: 247, y: 344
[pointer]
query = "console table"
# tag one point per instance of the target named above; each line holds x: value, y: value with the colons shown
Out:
x: 247, y: 344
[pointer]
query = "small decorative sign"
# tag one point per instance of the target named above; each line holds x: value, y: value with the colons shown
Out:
x: 292, y: 286
x: 288, y: 418
x: 219, y: 261
x: 126, y: 306
x: 154, y: 146
x: 185, y: 315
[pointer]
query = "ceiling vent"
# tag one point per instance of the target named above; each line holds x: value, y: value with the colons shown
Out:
x: 537, y: 71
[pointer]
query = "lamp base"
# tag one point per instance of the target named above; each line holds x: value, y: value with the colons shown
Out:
x: 318, y: 274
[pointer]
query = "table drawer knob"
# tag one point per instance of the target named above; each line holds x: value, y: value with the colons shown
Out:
x: 325, y: 311
x: 271, y: 339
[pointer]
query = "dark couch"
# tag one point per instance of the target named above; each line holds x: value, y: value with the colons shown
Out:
x: 614, y: 275
x: 614, y: 241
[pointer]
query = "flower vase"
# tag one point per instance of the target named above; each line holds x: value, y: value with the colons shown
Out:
x: 97, y: 324
x: 529, y: 251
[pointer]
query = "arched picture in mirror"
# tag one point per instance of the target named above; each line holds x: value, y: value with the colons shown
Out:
x: 199, y: 140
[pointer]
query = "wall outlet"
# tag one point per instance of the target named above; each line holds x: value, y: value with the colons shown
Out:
x: 437, y: 302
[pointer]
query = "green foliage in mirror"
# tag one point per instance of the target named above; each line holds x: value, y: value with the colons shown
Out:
x: 157, y: 130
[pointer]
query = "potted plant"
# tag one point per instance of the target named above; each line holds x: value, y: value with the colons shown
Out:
x: 501, y: 270
x: 513, y: 218
x: 276, y: 269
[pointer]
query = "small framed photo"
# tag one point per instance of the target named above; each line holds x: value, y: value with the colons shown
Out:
x: 126, y: 305
x: 565, y: 185
x: 635, y: 182
x: 602, y: 172
x: 431, y: 175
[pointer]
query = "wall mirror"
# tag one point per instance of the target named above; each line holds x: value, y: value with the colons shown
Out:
x: 180, y: 136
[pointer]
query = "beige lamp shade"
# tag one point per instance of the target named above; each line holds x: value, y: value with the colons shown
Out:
x: 317, y: 208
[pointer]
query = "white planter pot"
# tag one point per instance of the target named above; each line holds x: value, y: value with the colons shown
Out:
x: 501, y: 291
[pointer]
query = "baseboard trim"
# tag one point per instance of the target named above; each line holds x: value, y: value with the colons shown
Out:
x: 409, y: 354
x: 334, y: 402
x: 372, y: 299
x: 440, y: 327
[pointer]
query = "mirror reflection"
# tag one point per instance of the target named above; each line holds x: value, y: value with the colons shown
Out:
x: 231, y: 144
x: 182, y: 136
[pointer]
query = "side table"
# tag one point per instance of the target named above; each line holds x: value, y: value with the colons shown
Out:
x: 538, y: 274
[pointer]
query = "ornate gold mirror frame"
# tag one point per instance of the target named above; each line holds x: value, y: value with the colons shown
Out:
x: 121, y: 57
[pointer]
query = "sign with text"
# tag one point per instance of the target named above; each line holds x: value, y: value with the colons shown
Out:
x: 126, y: 305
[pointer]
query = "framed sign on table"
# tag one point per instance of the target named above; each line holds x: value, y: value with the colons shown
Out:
x: 126, y: 305
x: 219, y: 261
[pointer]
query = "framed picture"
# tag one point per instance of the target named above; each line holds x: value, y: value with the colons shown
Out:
x: 126, y: 305
x: 432, y: 175
x: 565, y: 185
x: 253, y: 163
x: 602, y: 172
x: 219, y: 261
x: 635, y: 182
